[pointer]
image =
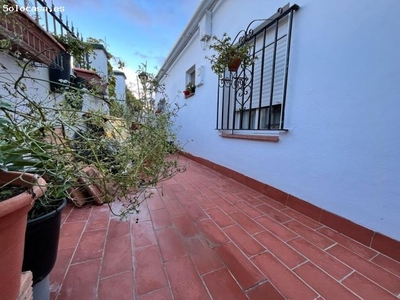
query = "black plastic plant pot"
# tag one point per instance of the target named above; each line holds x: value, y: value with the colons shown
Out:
x: 60, y: 69
x: 79, y: 82
x: 41, y: 243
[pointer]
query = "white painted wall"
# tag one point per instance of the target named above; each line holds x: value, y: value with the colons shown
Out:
x: 342, y: 149
x: 98, y: 60
x: 120, y: 86
x: 36, y: 80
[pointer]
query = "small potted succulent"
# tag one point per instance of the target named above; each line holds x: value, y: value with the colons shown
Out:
x: 229, y: 55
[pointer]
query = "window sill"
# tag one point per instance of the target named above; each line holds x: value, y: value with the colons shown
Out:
x: 266, y: 138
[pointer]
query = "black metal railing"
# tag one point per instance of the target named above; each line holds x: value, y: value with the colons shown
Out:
x: 50, y: 18
x: 254, y: 97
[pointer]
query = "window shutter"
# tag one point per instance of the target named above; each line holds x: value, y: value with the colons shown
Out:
x: 265, y: 80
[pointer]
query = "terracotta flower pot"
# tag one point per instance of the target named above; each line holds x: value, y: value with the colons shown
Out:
x: 234, y: 64
x: 13, y: 220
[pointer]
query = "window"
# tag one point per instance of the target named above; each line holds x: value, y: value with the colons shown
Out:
x: 254, y: 97
x: 191, y: 81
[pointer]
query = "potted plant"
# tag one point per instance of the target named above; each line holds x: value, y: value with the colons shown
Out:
x: 59, y: 141
x: 13, y: 220
x: 60, y: 69
x: 18, y: 192
x: 191, y: 87
x: 24, y: 149
x: 229, y: 55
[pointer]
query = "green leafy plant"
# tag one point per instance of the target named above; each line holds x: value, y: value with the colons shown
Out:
x: 74, y: 46
x: 228, y: 54
x: 58, y: 140
x: 191, y: 87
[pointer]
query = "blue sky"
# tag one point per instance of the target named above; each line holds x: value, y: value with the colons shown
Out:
x: 135, y: 31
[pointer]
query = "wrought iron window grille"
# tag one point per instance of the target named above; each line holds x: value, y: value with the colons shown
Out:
x: 254, y: 96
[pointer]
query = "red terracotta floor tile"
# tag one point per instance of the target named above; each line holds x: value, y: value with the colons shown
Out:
x: 143, y: 234
x: 185, y: 282
x: 118, y: 228
x: 195, y: 211
x: 243, y: 240
x: 155, y: 202
x: 80, y: 214
x: 90, y: 246
x: 325, y: 285
x: 209, y: 193
x: 174, y: 208
x: 81, y: 281
x: 187, y: 222
x: 246, y: 223
x: 365, y: 288
x: 353, y: 245
x: 149, y: 271
x: 280, y: 249
x: 312, y: 236
x: 212, y: 233
x: 328, y: 263
x: 248, y: 209
x: 116, y: 287
x: 264, y: 291
x: 60, y: 268
x: 301, y: 218
x: 273, y: 213
x: 220, y: 218
x: 222, y: 286
x: 70, y: 234
x: 66, y: 211
x: 170, y: 244
x: 271, y: 202
x: 161, y: 294
x: 387, y: 263
x: 252, y: 200
x: 98, y: 219
x: 366, y: 268
x: 288, y: 284
x: 117, y: 256
x: 276, y: 228
x: 204, y: 258
x: 144, y: 213
x: 184, y: 197
x: 204, y: 202
x: 225, y: 206
x: 185, y: 225
x: 240, y: 266
x: 161, y: 218
x: 193, y: 191
x: 233, y: 198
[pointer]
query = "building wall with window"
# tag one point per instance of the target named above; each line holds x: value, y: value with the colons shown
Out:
x: 339, y: 149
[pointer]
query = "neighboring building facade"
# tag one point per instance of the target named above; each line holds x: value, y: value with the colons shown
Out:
x: 120, y: 85
x: 319, y: 133
x: 33, y: 42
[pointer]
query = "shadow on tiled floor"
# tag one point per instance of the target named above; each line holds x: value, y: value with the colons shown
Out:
x: 204, y: 236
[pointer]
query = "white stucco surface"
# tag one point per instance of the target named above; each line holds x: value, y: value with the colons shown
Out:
x: 341, y: 152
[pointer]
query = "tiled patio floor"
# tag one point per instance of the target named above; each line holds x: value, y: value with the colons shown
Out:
x: 204, y: 236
